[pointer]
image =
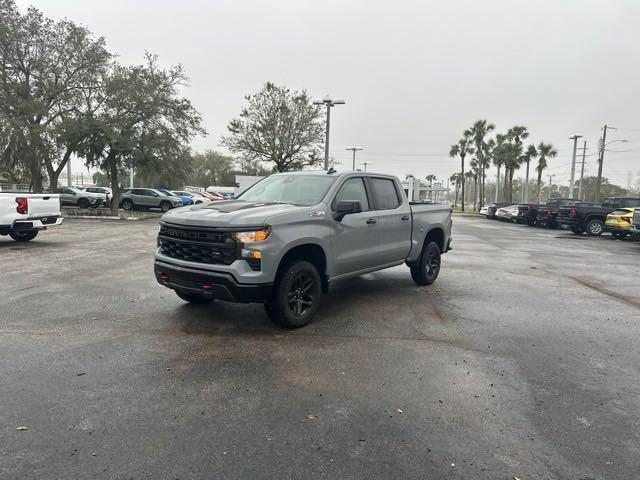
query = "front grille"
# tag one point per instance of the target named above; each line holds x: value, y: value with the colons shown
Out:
x: 199, y: 246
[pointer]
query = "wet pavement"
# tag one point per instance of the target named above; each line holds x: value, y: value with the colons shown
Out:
x: 521, y: 360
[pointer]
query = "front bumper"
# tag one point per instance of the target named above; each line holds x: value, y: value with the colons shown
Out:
x: 217, y: 285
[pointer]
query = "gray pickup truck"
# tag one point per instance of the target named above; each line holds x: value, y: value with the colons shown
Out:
x: 286, y: 239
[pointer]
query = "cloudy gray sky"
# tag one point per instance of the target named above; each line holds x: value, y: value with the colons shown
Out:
x: 414, y: 74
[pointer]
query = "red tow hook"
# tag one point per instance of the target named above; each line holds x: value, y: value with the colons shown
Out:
x: 164, y: 276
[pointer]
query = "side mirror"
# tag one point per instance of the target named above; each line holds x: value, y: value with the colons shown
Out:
x: 347, y: 208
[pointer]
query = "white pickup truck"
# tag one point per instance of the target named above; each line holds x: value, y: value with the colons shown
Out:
x: 23, y: 215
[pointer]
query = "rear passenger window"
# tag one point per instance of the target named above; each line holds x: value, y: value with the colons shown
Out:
x: 385, y: 193
x: 353, y: 190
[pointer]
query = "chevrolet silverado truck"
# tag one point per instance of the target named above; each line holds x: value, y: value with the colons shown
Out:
x: 635, y: 225
x: 286, y: 239
x: 23, y: 215
x: 591, y: 217
x: 547, y: 213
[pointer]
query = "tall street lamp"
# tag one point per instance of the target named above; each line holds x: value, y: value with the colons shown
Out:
x: 575, y: 138
x: 365, y: 165
x: 354, y: 150
x: 328, y: 102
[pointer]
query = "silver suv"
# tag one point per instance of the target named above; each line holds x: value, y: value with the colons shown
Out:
x: 148, y: 198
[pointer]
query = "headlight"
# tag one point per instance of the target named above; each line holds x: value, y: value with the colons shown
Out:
x: 253, y: 236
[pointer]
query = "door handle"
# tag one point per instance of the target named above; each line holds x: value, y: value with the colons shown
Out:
x: 371, y: 221
x: 404, y: 218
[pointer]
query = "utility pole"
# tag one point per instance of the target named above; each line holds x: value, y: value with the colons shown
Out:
x: 575, y: 138
x: 550, y: 184
x: 328, y: 102
x: 601, y: 160
x: 584, y: 154
x: 354, y: 150
x: 131, y: 177
x: 497, y: 184
x: 365, y: 165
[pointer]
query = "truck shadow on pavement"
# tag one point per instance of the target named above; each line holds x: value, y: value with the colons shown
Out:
x: 9, y: 244
x: 372, y: 298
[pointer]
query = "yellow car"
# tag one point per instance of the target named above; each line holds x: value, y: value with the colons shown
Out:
x: 619, y: 222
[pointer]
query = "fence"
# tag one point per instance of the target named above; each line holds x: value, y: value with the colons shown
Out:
x: 15, y: 187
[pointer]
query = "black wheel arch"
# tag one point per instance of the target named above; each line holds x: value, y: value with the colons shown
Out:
x: 308, y: 252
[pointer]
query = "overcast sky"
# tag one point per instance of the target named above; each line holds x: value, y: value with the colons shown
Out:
x: 414, y: 74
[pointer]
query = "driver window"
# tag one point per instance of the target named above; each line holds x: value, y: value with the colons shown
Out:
x: 353, y: 190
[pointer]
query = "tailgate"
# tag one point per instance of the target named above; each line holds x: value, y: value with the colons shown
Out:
x: 43, y: 205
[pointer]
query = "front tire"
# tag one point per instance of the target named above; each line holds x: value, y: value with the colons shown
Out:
x: 127, y: 205
x: 595, y: 228
x: 296, y: 295
x: 428, y: 267
x: 83, y: 203
x: 24, y: 236
x: 194, y: 298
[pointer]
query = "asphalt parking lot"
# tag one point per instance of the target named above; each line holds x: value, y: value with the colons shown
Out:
x: 522, y: 360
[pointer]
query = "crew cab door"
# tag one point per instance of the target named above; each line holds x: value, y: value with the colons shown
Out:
x: 353, y: 245
x: 392, y: 242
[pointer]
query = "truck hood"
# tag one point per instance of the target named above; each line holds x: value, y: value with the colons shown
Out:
x: 229, y: 213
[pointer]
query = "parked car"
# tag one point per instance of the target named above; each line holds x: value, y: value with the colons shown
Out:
x: 287, y: 238
x: 104, y: 192
x: 618, y: 222
x: 547, y: 215
x: 590, y: 217
x: 493, y: 208
x: 506, y: 213
x: 186, y: 199
x: 483, y: 210
x: 635, y: 226
x: 211, y: 196
x: 80, y: 198
x: 195, y: 198
x: 525, y: 213
x: 148, y: 198
x: 23, y: 215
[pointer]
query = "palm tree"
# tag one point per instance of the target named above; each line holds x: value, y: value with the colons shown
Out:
x: 462, y: 149
x: 498, y: 158
x: 545, y: 150
x: 468, y: 176
x: 516, y: 135
x: 455, y: 179
x: 430, y: 178
x: 479, y: 131
x: 529, y: 154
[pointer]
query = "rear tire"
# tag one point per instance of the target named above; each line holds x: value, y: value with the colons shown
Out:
x: 595, y: 228
x: 83, y: 203
x: 428, y: 267
x: 23, y: 236
x: 194, y: 298
x: 126, y: 204
x: 165, y: 206
x: 296, y: 295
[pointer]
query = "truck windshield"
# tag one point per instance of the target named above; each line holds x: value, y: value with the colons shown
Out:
x: 301, y: 190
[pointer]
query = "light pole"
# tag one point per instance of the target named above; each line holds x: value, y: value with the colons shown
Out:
x: 365, y: 165
x: 584, y: 155
x: 328, y: 102
x: 550, y: 184
x: 575, y: 138
x: 601, y: 156
x: 354, y: 150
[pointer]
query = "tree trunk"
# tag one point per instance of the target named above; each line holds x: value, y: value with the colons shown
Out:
x: 463, y: 180
x: 511, y: 172
x: 475, y: 193
x: 505, y: 186
x: 497, y: 184
x: 539, y: 183
x: 455, y: 198
x: 525, y: 190
x: 114, y: 178
x: 54, y: 173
